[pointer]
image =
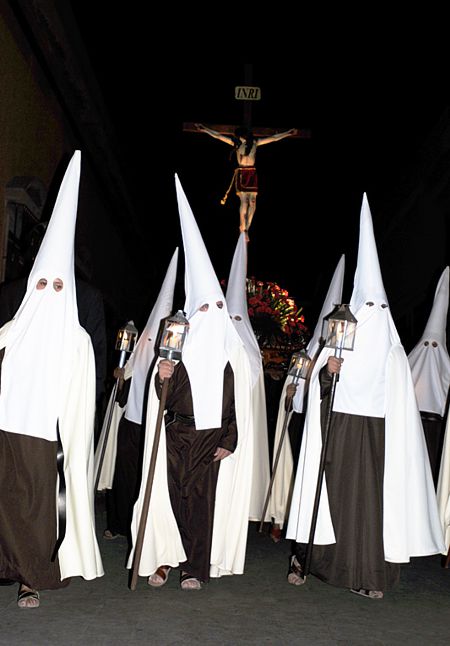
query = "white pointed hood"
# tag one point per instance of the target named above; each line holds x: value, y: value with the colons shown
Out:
x: 361, y: 388
x: 211, y: 334
x: 333, y: 297
x: 368, y: 283
x: 236, y: 298
x: 144, y: 353
x: 41, y: 342
x: 429, y: 359
x: 200, y: 280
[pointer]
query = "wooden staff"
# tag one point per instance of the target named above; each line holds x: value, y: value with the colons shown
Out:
x: 148, y: 487
x: 321, y: 473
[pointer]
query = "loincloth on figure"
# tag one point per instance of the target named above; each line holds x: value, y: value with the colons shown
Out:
x: 246, y: 180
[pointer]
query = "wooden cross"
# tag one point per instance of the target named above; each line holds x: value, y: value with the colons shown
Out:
x: 248, y: 103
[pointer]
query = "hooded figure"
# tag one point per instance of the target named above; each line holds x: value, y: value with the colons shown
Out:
x: 377, y: 505
x: 121, y: 463
x: 287, y: 462
x: 48, y: 363
x: 237, y: 307
x: 198, y: 514
x: 430, y: 368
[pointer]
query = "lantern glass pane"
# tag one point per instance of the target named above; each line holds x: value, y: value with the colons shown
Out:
x: 299, y: 366
x: 126, y: 338
x: 339, y: 328
x: 173, y: 337
x: 340, y: 334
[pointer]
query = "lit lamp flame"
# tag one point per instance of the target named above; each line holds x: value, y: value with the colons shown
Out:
x: 299, y: 366
x: 126, y: 340
x: 339, y: 329
x: 174, y: 336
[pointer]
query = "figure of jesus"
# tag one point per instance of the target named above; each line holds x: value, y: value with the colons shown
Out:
x: 245, y: 178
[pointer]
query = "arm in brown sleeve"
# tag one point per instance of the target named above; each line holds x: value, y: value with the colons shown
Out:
x: 325, y: 382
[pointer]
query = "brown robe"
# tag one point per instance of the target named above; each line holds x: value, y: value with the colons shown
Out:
x: 28, y: 511
x: 354, y: 471
x: 192, y: 473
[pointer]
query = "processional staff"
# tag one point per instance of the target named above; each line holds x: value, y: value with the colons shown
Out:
x: 125, y: 343
x: 172, y: 342
x: 339, y: 329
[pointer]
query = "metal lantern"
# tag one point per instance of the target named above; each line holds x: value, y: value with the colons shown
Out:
x: 339, y: 329
x: 299, y: 366
x: 126, y: 340
x: 174, y: 336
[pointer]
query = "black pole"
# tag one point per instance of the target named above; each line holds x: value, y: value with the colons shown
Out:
x: 321, y: 473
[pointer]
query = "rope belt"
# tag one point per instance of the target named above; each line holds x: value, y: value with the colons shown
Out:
x: 172, y: 416
x: 224, y: 199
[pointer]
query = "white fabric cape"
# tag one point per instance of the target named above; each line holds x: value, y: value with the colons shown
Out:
x: 237, y: 307
x: 79, y: 554
x: 261, y: 466
x: 443, y: 488
x: 410, y: 521
x: 162, y: 542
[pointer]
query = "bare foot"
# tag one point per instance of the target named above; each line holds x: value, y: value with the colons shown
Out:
x: 159, y: 578
x: 370, y: 594
x: 27, y: 598
x: 188, y: 582
x: 295, y: 574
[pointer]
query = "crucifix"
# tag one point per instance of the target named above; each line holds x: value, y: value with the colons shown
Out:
x: 245, y: 140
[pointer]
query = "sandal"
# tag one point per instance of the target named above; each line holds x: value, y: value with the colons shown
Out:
x: 295, y: 572
x: 188, y: 582
x: 162, y: 573
x: 24, y: 596
x: 370, y: 594
x: 108, y: 535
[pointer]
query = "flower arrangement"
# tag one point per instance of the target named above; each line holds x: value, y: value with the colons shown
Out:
x: 277, y: 321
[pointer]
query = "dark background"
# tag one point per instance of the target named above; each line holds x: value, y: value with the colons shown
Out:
x: 370, y: 118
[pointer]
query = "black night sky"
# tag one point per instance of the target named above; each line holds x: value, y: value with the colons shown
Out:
x: 369, y: 117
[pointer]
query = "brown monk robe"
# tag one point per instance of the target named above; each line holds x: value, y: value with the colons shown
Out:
x: 192, y: 473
